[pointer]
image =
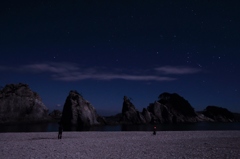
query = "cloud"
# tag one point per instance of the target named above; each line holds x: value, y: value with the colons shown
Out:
x: 58, y: 105
x: 4, y: 68
x: 100, y: 76
x: 73, y: 72
x: 51, y: 67
x: 177, y: 70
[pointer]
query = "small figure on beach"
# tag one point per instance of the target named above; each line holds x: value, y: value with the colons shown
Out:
x: 154, y: 130
x: 60, y: 130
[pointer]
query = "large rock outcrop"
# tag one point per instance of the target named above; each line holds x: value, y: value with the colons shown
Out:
x: 177, y: 104
x: 171, y: 108
x: 130, y: 113
x: 78, y: 112
x: 147, y: 115
x: 218, y: 114
x: 18, y: 103
x: 161, y: 113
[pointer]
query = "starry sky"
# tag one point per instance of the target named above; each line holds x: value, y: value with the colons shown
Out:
x: 108, y: 49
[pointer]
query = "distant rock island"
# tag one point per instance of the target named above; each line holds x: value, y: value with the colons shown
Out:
x: 18, y: 103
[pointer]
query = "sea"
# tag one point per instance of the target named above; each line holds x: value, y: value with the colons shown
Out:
x: 53, y: 127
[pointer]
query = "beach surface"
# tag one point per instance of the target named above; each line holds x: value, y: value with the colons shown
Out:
x: 116, y: 145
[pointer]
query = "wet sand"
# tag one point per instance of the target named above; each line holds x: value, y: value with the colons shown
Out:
x: 94, y: 145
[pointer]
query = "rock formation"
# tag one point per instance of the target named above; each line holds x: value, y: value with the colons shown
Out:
x: 161, y: 113
x: 170, y: 108
x: 77, y: 111
x: 18, y: 103
x: 218, y: 114
x: 130, y: 113
x: 147, y: 115
x: 177, y: 103
x: 236, y: 116
x: 56, y: 114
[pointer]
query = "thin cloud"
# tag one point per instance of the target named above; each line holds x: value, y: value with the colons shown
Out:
x: 58, y: 105
x: 72, y: 72
x: 51, y: 67
x: 5, y: 68
x: 112, y: 77
x: 177, y: 70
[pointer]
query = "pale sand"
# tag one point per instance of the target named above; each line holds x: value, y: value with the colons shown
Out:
x: 166, y: 144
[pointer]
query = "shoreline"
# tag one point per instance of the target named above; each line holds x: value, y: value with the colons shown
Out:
x: 128, y: 144
x: 53, y: 127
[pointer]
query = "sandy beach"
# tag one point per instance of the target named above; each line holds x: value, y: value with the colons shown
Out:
x: 86, y: 145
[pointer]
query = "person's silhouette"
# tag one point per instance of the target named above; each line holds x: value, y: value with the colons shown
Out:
x: 60, y: 130
x: 154, y: 130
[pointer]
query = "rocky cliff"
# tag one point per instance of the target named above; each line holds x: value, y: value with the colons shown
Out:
x: 219, y: 114
x: 130, y: 113
x: 161, y: 113
x: 18, y: 103
x: 78, y: 111
x: 171, y: 108
x: 177, y: 104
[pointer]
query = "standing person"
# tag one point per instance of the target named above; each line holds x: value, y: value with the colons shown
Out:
x: 154, y: 130
x: 60, y: 130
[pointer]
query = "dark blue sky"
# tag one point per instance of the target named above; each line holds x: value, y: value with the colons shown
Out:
x: 106, y: 50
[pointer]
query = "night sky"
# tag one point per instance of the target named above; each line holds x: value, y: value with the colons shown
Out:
x: 106, y: 50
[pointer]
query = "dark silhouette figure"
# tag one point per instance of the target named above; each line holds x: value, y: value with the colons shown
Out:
x: 60, y: 130
x: 154, y: 130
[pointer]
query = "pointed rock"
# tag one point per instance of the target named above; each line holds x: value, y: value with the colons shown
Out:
x: 78, y: 111
x: 161, y: 114
x: 147, y: 115
x: 130, y: 113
